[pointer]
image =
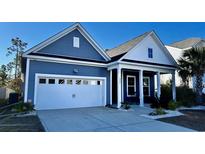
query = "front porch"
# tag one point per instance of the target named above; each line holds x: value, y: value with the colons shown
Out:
x: 137, y: 84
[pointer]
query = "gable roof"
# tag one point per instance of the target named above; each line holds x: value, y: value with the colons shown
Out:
x: 187, y: 43
x: 66, y: 31
x: 120, y: 51
x: 125, y: 47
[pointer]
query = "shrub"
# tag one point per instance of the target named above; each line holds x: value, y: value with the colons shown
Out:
x: 186, y: 96
x: 126, y: 105
x: 3, y: 102
x: 172, y: 105
x: 158, y: 111
x: 22, y: 107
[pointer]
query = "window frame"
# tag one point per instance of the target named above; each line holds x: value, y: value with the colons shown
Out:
x: 146, y: 77
x: 134, y: 85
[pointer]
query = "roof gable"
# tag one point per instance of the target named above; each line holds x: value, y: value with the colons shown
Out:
x: 77, y: 28
x: 160, y: 53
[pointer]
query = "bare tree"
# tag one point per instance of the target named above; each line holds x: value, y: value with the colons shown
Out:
x: 17, y: 47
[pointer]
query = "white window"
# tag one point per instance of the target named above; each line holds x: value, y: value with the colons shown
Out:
x: 146, y: 86
x: 131, y: 86
x: 76, y: 42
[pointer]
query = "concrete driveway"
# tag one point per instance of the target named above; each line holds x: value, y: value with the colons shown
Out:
x: 101, y: 119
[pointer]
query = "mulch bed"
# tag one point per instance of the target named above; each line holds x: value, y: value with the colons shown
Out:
x: 193, y: 119
x: 21, y: 124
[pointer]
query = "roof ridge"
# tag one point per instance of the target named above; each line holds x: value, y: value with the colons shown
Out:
x: 187, y: 39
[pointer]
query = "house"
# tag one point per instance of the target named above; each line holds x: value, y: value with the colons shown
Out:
x: 176, y: 50
x: 70, y: 70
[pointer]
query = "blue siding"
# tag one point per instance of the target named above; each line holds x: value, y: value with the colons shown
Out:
x: 134, y: 73
x: 63, y: 69
x: 64, y: 47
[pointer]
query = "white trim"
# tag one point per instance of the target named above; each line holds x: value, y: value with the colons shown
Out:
x: 131, y: 76
x: 147, y: 77
x: 158, y: 85
x: 173, y: 86
x: 65, y: 32
x: 111, y: 87
x: 119, y: 87
x: 26, y: 80
x: 66, y: 61
x: 150, y: 67
x: 122, y: 86
x: 76, y: 42
x: 141, y: 90
x: 37, y: 75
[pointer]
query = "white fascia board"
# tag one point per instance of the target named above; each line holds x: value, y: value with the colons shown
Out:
x: 66, y: 61
x: 51, y: 39
x: 133, y: 47
x: 65, y: 32
x: 165, y: 49
x: 93, y: 42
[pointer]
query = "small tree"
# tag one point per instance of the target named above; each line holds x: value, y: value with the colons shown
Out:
x: 3, y: 76
x: 192, y: 64
x: 18, y: 46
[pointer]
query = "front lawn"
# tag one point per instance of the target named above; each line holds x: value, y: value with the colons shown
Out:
x: 193, y: 119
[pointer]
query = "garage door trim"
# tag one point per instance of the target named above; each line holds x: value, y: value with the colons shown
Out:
x: 37, y: 75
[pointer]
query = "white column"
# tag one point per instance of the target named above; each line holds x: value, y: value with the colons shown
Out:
x: 119, y: 88
x: 122, y: 86
x: 141, y: 92
x: 173, y: 86
x: 26, y: 80
x: 158, y: 85
x: 110, y: 87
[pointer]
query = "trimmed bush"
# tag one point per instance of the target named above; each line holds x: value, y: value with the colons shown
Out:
x: 158, y: 111
x: 126, y: 105
x: 172, y: 105
x: 22, y: 107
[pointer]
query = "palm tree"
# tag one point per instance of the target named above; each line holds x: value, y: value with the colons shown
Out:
x: 192, y: 64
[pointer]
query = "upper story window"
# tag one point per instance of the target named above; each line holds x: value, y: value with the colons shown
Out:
x: 150, y: 53
x: 76, y: 42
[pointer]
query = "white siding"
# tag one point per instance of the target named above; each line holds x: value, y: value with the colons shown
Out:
x: 140, y: 52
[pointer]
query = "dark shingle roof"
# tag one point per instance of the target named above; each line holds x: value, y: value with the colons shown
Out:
x: 190, y: 42
x: 125, y: 47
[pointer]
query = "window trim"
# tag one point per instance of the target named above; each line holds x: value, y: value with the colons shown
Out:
x: 131, y: 76
x: 76, y: 42
x: 147, y: 77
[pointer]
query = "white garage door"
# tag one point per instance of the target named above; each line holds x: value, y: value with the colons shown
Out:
x: 59, y: 92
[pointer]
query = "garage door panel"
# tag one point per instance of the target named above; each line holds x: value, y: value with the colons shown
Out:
x: 56, y: 96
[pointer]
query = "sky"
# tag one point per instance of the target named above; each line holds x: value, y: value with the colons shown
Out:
x: 107, y: 34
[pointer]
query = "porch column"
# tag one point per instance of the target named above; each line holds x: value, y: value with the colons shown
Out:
x: 110, y: 87
x: 122, y: 86
x: 141, y: 91
x: 158, y: 85
x: 119, y: 88
x: 173, y: 86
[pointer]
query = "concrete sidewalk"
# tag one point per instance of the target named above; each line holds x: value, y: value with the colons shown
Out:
x: 101, y: 119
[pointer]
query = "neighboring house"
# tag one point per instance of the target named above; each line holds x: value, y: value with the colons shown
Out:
x: 4, y: 92
x: 71, y: 70
x: 176, y: 49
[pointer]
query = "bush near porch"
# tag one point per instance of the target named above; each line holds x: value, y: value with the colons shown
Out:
x: 184, y: 96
